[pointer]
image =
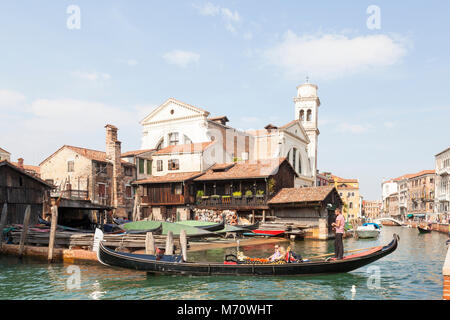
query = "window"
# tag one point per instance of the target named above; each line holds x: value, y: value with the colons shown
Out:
x: 350, y: 205
x: 174, y: 164
x: 302, y: 115
x: 128, y: 192
x: 102, y: 190
x: 187, y: 140
x: 141, y: 165
x: 128, y: 171
x: 70, y: 166
x: 173, y: 138
x: 100, y: 168
x: 160, y: 145
x: 308, y: 115
x: 177, y: 188
x: 294, y: 156
x: 159, y: 165
x: 149, y: 167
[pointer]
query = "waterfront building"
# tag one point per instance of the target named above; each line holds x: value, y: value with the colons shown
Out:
x: 101, y: 177
x: 19, y: 189
x: 311, y: 206
x: 421, y: 187
x: 323, y: 179
x: 442, y: 194
x: 348, y: 190
x: 388, y: 187
x: 4, y: 155
x: 371, y: 208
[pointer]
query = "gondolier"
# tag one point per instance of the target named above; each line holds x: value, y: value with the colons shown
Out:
x: 339, y: 227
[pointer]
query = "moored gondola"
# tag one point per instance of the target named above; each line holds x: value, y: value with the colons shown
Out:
x: 175, y: 264
x: 248, y: 226
x: 156, y: 231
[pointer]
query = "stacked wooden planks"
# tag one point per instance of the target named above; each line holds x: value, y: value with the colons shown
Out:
x: 73, y: 239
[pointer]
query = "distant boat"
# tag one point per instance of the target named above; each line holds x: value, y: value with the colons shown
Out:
x: 248, y: 226
x: 368, y: 230
x: 205, y: 225
x: 266, y: 233
x: 424, y: 230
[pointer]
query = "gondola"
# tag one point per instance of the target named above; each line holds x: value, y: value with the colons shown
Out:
x: 156, y: 231
x: 248, y: 226
x: 174, y: 264
x: 204, y: 225
x: 423, y: 230
x: 48, y: 224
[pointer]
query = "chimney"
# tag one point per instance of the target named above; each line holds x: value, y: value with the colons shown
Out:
x: 20, y: 163
x: 113, y: 153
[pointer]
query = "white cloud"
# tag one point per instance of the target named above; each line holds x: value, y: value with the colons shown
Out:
x: 181, y: 58
x: 389, y: 124
x: 11, y: 98
x: 333, y: 55
x: 229, y: 17
x: 91, y: 76
x: 353, y: 128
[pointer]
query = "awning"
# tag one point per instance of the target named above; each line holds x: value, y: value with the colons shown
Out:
x: 410, y: 215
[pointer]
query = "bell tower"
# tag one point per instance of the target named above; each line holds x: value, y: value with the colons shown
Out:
x: 306, y: 110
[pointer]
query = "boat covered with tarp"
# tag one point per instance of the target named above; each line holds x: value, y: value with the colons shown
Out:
x: 166, y: 227
x: 174, y: 264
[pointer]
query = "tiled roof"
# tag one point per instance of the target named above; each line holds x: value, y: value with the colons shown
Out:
x: 339, y: 179
x: 185, y: 148
x: 421, y: 173
x: 135, y: 153
x: 307, y: 194
x: 95, y: 155
x: 28, y: 167
x: 4, y: 151
x: 243, y: 170
x: 170, y: 177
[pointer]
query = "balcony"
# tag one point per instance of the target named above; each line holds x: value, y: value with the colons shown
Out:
x: 231, y: 202
x: 443, y: 197
x: 443, y: 171
x: 71, y: 194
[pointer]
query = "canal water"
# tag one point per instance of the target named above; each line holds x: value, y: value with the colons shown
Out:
x: 413, y: 271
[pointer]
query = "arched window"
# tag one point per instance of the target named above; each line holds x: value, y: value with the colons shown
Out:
x: 302, y: 115
x: 160, y: 144
x: 299, y: 163
x: 294, y: 157
x: 187, y: 140
x: 308, y: 115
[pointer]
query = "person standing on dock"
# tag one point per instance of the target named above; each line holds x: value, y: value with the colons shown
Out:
x: 339, y: 227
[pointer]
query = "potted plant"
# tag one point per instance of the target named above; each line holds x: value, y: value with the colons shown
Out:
x: 199, y: 196
x: 260, y: 193
x: 237, y: 194
x: 215, y: 197
x: 248, y: 194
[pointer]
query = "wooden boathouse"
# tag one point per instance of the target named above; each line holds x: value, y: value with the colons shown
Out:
x: 18, y: 189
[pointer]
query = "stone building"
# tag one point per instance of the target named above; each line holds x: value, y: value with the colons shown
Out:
x: 5, y: 155
x: 391, y: 205
x: 421, y: 187
x: 348, y: 190
x: 101, y: 177
x: 371, y: 209
x: 442, y: 194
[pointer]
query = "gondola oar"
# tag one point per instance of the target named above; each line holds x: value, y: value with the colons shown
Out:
x: 330, y: 254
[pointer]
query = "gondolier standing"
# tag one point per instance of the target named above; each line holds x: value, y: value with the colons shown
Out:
x: 339, y: 227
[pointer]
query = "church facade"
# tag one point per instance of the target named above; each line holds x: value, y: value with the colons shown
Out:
x: 187, y: 139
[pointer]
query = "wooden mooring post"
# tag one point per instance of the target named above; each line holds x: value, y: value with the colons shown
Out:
x: 149, y: 243
x: 183, y: 244
x: 51, y: 241
x: 3, y: 221
x: 169, y: 243
x: 23, y: 236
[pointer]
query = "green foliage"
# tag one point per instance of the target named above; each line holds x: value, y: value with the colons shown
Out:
x: 237, y: 194
x: 248, y: 193
x: 200, y: 193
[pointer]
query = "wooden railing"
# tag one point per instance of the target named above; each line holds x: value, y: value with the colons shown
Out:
x: 232, y: 202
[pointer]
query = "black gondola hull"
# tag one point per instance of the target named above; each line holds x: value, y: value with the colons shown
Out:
x: 148, y: 264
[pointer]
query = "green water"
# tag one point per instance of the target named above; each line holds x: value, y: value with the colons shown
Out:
x: 413, y: 271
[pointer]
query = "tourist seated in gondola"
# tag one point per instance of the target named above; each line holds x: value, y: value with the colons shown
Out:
x: 292, y: 257
x: 278, y: 254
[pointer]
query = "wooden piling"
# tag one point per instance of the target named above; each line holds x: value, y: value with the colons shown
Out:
x: 169, y: 243
x: 149, y: 243
x: 51, y: 243
x: 183, y: 244
x: 3, y: 221
x: 23, y: 236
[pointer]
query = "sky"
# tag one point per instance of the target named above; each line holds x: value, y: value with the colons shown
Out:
x: 67, y: 68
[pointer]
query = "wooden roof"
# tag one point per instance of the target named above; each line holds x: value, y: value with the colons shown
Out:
x: 306, y: 194
x: 5, y: 163
x: 170, y: 177
x: 244, y: 170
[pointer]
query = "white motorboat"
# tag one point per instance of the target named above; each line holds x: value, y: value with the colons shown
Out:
x: 368, y: 230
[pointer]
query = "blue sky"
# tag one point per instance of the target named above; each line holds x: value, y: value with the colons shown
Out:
x: 385, y: 92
